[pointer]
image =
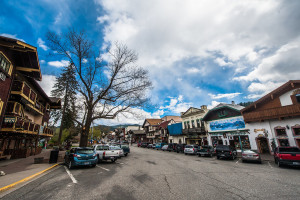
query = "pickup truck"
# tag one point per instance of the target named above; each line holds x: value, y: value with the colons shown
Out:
x: 287, y: 156
x: 104, y: 153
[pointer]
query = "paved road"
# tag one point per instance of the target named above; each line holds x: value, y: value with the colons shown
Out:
x: 151, y: 174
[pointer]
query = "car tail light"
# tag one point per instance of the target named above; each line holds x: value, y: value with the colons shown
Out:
x: 230, y: 152
x: 244, y: 154
x: 255, y: 155
x: 75, y: 155
x: 193, y: 149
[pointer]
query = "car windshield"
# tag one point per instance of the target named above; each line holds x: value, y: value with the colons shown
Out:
x: 115, y: 148
x: 85, y: 151
x: 102, y: 147
x: 189, y: 146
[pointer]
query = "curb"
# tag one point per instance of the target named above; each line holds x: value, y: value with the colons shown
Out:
x: 26, y: 179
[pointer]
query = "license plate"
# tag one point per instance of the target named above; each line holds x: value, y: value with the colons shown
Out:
x: 296, y: 163
x: 222, y: 155
x: 111, y: 157
x: 250, y: 156
x: 86, y: 163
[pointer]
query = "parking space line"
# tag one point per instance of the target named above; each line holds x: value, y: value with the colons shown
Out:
x: 103, y: 168
x: 237, y: 161
x: 71, y: 176
x: 270, y: 164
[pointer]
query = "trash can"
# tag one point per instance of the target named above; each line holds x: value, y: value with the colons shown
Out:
x: 53, y: 156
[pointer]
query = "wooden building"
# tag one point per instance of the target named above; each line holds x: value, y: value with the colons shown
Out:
x: 274, y: 120
x: 151, y: 129
x: 24, y: 106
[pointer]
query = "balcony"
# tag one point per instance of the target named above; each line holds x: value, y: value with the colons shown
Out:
x: 19, y: 125
x: 273, y: 113
x: 191, y: 131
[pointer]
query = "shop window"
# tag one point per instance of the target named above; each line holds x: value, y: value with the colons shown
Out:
x: 198, y: 123
x: 298, y: 98
x: 244, y: 141
x: 193, y: 124
x: 222, y: 113
x: 296, y: 131
x: 188, y: 124
x: 5, y: 65
x: 280, y: 131
x: 283, y: 142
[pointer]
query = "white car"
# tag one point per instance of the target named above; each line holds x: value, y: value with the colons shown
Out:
x: 190, y: 149
x: 164, y: 148
x: 119, y: 149
x: 104, y: 153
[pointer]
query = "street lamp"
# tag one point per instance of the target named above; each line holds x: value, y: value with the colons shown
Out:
x: 240, y: 139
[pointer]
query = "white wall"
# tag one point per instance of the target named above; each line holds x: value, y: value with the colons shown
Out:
x: 285, y: 99
x: 175, y: 139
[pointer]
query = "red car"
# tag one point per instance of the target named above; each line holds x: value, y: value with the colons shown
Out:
x: 287, y: 156
x: 139, y: 144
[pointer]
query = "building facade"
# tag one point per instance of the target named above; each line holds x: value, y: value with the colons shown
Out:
x: 24, y: 106
x: 151, y: 129
x: 226, y: 126
x: 175, y: 133
x: 274, y: 120
x: 193, y: 127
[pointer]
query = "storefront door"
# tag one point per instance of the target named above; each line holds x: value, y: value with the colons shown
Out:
x: 263, y: 145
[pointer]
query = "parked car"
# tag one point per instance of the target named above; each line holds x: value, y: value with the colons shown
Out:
x: 165, y: 147
x: 171, y: 146
x: 226, y: 151
x: 139, y: 144
x: 249, y: 155
x: 145, y: 144
x: 287, y: 156
x: 119, y: 149
x: 180, y: 148
x: 80, y: 156
x: 190, y: 149
x: 149, y: 146
x: 206, y: 151
x: 159, y: 145
x: 105, y: 153
x: 153, y: 146
x: 125, y: 147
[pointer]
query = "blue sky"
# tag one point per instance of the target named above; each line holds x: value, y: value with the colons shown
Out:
x: 197, y: 52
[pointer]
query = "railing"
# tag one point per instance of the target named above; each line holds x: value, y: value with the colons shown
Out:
x: 47, y: 131
x: 199, y: 131
x: 20, y: 87
x: 19, y: 124
x: 273, y: 113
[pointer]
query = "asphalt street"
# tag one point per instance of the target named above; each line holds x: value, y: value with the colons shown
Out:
x: 152, y: 174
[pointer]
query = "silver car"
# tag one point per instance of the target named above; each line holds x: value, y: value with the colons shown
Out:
x: 190, y: 149
x: 164, y: 148
x: 249, y: 155
x: 121, y: 152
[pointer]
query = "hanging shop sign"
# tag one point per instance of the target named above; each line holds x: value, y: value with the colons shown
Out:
x: 9, y: 120
x: 2, y: 76
x: 233, y: 123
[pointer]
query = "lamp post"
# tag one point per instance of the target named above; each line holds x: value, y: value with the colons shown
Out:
x: 240, y: 139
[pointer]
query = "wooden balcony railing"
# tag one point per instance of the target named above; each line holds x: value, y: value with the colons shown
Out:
x: 19, y: 124
x: 273, y: 113
x: 21, y: 88
x: 198, y: 130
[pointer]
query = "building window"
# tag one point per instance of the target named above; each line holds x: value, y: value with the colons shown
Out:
x: 298, y: 98
x: 188, y: 123
x: 198, y: 123
x: 296, y: 131
x: 193, y: 124
x: 280, y: 131
x: 185, y: 125
x: 222, y: 113
x: 283, y: 142
x: 5, y: 65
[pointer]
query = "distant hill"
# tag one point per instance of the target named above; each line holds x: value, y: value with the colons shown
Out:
x: 105, y: 128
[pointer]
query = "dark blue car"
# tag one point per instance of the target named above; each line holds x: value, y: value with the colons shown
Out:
x: 80, y: 156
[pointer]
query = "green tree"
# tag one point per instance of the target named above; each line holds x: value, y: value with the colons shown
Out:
x: 65, y: 88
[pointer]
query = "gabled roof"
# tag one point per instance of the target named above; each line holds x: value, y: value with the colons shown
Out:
x: 277, y: 92
x: 152, y: 122
x: 164, y: 124
x: 25, y: 57
x: 235, y: 107
x: 191, y: 109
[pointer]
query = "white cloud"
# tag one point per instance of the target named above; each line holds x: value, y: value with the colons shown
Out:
x: 14, y: 36
x: 222, y: 62
x: 58, y: 64
x: 213, y: 104
x: 42, y: 61
x: 193, y: 70
x: 221, y: 96
x: 47, y: 83
x: 41, y: 44
x: 176, y: 105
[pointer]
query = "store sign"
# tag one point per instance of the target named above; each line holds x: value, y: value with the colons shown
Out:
x: 9, y: 120
x: 256, y: 130
x: 233, y: 123
x: 2, y: 76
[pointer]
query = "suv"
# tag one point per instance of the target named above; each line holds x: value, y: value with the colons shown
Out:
x: 206, y: 151
x: 226, y: 151
x: 172, y: 147
x: 190, y: 149
x: 180, y: 148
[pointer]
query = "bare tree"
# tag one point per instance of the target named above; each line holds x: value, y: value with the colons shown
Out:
x: 109, y: 87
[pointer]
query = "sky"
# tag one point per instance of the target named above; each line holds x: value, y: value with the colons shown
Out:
x: 197, y: 52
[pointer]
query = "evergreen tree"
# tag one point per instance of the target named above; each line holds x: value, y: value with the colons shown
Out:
x: 65, y: 88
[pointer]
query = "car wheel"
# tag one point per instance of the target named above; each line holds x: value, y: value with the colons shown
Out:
x: 199, y: 155
x: 126, y: 155
x: 113, y: 160
x: 218, y: 157
x: 279, y: 164
x: 185, y: 154
x: 70, y: 166
x: 94, y: 165
x: 276, y: 161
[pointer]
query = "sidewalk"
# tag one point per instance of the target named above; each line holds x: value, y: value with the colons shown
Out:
x: 18, y: 169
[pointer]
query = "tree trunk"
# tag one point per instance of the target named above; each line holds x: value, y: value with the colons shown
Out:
x: 63, y: 116
x: 86, y: 129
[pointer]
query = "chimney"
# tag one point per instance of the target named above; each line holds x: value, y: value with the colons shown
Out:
x: 232, y: 102
x: 204, y: 107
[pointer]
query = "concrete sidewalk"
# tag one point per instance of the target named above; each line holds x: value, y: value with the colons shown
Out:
x: 22, y: 168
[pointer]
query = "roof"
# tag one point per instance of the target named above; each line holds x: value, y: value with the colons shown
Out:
x: 224, y: 105
x: 277, y: 92
x: 164, y: 124
x: 138, y: 132
x: 25, y: 57
x: 190, y: 109
x: 175, y: 129
x: 152, y: 122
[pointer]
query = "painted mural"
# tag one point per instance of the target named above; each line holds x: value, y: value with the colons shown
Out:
x: 227, y: 124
